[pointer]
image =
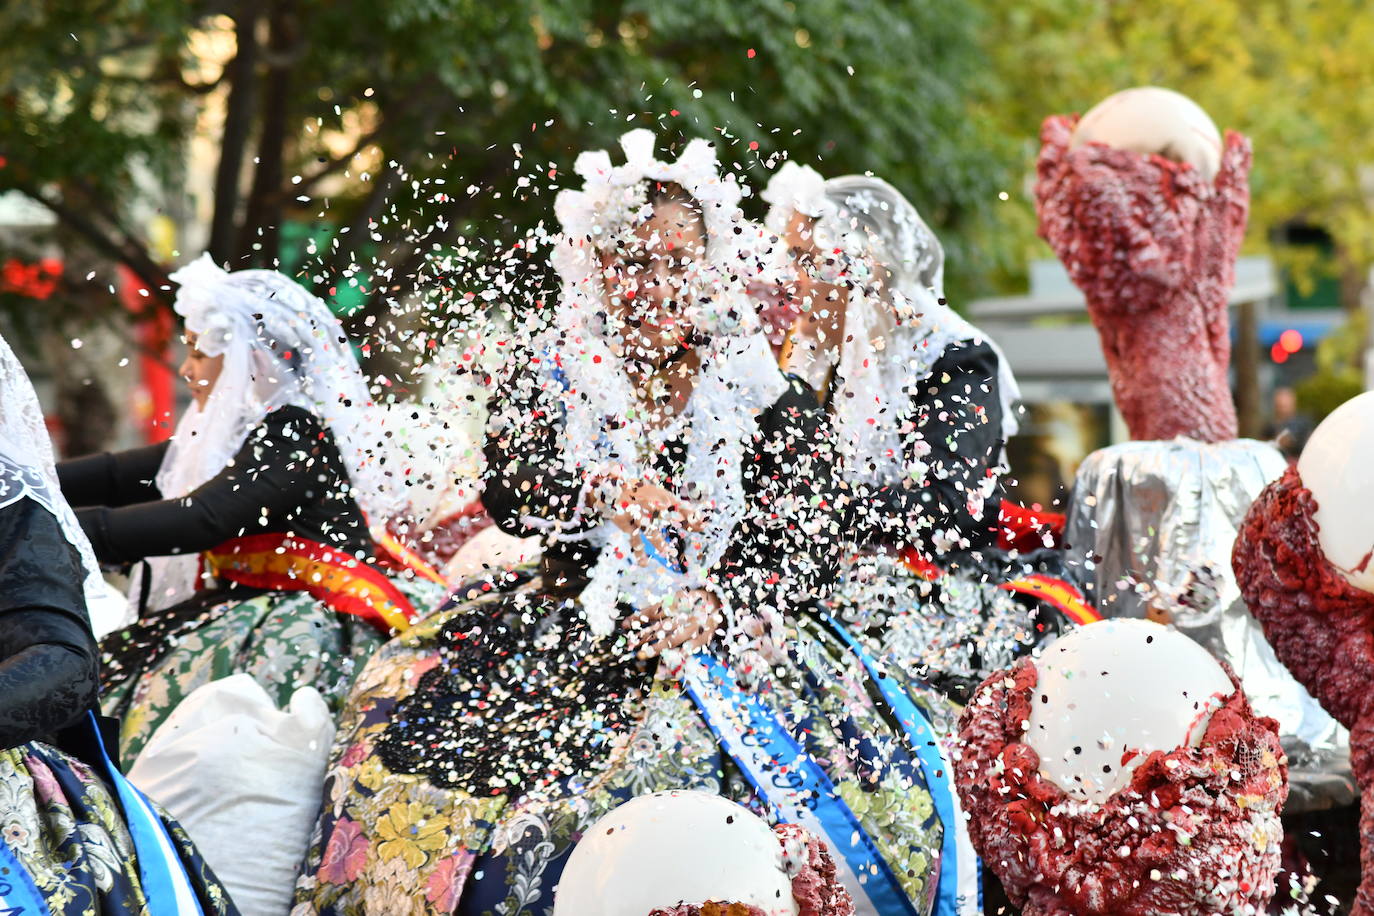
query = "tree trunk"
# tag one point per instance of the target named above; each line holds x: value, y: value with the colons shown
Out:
x: 263, y: 215
x: 80, y: 219
x: 1246, y: 360
x: 238, y: 125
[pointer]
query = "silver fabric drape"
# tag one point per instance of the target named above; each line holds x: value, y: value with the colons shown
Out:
x: 1151, y: 524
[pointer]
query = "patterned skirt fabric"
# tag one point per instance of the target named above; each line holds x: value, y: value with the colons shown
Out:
x: 477, y: 748
x: 284, y: 640
x: 62, y: 824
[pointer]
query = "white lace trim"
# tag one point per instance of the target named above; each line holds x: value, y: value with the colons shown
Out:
x: 738, y: 377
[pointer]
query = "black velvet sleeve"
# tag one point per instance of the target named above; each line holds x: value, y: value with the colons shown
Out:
x: 48, y: 658
x: 526, y: 482
x: 785, y: 550
x: 268, y: 480
x: 112, y: 478
x: 958, y: 416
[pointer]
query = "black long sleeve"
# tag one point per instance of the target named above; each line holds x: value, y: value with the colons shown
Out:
x: 287, y: 476
x: 49, y: 672
x: 785, y: 551
x: 957, y: 413
x: 526, y: 478
x: 112, y: 478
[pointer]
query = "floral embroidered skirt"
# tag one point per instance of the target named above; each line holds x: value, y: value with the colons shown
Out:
x: 477, y: 747
x: 62, y: 824
x: 284, y: 640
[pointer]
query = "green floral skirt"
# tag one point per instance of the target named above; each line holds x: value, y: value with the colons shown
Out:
x: 477, y: 747
x: 284, y: 640
x: 62, y: 824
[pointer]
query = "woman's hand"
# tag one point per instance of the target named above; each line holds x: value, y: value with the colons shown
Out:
x: 687, y: 625
x: 761, y: 638
x: 641, y: 507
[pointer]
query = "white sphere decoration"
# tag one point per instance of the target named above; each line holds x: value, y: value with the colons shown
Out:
x: 1149, y: 119
x: 674, y: 847
x: 1335, y: 466
x: 1117, y: 686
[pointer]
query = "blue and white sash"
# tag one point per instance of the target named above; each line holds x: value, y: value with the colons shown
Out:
x: 165, y: 882
x: 960, y: 889
x: 794, y: 785
x: 166, y: 886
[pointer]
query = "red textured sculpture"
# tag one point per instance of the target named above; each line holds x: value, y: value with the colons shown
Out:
x: 1320, y: 626
x: 1195, y: 832
x: 1153, y: 248
x: 816, y: 885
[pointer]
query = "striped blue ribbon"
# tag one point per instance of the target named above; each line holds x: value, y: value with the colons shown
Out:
x: 652, y: 552
x: 923, y: 741
x: 165, y: 882
x: 793, y: 784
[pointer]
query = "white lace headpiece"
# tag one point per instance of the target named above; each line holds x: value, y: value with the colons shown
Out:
x: 893, y: 335
x: 281, y: 345
x: 32, y: 472
x: 615, y: 199
x: 738, y: 376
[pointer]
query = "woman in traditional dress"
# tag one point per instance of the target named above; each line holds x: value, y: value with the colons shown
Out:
x: 75, y: 838
x: 922, y: 404
x: 682, y: 485
x: 254, y: 518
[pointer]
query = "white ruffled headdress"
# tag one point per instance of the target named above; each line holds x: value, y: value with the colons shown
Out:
x: 281, y: 346
x: 891, y: 342
x: 738, y: 376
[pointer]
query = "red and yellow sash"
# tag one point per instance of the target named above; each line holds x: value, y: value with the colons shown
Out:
x: 283, y: 563
x: 1055, y: 592
x: 401, y: 556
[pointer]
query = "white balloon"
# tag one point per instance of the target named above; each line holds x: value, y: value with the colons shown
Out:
x: 1115, y: 687
x: 674, y: 847
x: 1149, y: 119
x: 1335, y: 467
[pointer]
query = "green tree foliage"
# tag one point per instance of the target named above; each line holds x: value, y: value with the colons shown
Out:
x: 1340, y: 369
x: 1291, y: 74
x: 354, y: 110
